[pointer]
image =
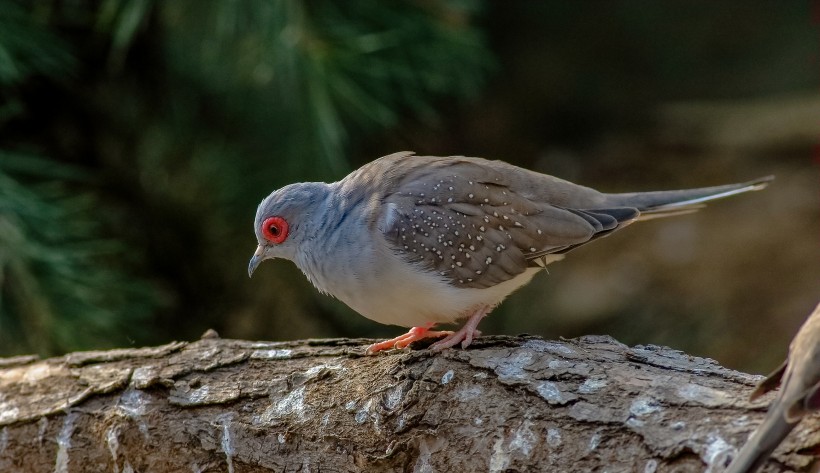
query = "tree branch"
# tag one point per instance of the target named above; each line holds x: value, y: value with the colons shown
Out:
x: 506, y: 403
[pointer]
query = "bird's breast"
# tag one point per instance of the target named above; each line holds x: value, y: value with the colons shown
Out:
x: 380, y: 285
x: 352, y: 261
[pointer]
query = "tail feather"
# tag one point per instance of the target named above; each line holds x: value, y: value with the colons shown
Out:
x: 619, y: 210
x: 668, y: 203
x: 655, y: 213
x: 762, y: 442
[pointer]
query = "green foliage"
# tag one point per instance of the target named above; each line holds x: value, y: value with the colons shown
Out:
x: 61, y: 285
x: 27, y: 48
x: 323, y: 72
x: 139, y: 136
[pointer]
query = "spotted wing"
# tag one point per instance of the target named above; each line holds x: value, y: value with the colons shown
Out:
x: 466, y: 224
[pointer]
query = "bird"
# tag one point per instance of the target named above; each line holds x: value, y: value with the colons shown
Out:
x: 419, y: 241
x: 799, y: 396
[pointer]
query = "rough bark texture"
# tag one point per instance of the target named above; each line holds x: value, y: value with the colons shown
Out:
x: 505, y: 404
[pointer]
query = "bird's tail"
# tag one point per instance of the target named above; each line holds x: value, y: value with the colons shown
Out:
x: 762, y: 442
x: 668, y: 203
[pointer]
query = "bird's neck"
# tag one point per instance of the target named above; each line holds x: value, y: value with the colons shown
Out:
x: 337, y: 224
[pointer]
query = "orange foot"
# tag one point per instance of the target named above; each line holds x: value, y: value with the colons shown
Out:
x: 402, y: 341
x: 465, y: 334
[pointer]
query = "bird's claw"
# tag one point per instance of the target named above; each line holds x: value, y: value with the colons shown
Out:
x: 464, y: 335
x: 403, y: 341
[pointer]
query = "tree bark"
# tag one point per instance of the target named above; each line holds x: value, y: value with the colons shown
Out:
x: 504, y: 404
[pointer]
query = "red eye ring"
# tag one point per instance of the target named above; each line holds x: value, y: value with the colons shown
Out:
x: 275, y: 229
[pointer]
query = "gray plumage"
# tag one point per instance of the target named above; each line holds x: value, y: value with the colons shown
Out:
x: 799, y: 376
x: 479, y: 222
x: 421, y: 240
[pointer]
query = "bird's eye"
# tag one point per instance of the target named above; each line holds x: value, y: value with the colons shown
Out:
x: 275, y: 229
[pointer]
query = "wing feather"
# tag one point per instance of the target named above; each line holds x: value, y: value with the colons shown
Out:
x: 471, y: 226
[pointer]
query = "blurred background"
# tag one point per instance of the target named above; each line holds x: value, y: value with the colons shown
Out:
x: 138, y: 136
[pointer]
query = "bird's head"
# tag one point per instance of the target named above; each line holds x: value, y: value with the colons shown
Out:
x: 282, y: 221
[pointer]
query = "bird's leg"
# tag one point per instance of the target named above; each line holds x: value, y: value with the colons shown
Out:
x: 402, y: 341
x: 466, y: 334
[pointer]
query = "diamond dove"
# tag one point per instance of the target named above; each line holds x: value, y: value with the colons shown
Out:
x: 418, y: 241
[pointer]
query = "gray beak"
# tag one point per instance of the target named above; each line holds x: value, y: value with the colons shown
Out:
x: 258, y: 257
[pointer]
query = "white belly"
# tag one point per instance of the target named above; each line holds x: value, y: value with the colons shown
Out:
x: 398, y: 294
